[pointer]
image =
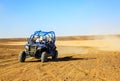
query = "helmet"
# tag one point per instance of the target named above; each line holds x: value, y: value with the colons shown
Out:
x: 41, y: 38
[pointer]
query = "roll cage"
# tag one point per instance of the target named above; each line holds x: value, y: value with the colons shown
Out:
x: 45, y: 35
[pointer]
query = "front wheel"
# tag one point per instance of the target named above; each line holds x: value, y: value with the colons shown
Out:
x: 44, y: 57
x: 55, y: 55
x: 22, y: 56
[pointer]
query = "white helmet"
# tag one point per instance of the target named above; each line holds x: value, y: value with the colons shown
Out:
x: 41, y: 38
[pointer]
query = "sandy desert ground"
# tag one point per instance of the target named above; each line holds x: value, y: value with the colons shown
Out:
x: 91, y: 58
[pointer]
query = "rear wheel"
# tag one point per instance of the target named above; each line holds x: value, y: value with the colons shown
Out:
x: 55, y: 55
x: 44, y: 57
x: 22, y: 56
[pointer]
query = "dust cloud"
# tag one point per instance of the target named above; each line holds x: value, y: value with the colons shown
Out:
x: 111, y: 43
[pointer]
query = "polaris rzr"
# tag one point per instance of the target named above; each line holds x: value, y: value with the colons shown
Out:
x: 40, y: 45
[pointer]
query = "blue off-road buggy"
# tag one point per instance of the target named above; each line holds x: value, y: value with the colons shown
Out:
x: 40, y: 45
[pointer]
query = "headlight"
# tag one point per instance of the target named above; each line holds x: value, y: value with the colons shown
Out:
x: 26, y: 47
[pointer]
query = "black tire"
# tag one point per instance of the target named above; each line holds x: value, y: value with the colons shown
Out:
x: 22, y: 56
x: 44, y: 57
x: 55, y: 55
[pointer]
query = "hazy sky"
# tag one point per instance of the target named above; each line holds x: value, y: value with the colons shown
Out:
x: 20, y: 18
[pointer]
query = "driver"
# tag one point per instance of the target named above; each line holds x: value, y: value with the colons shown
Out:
x: 36, y: 39
x: 42, y: 39
x: 39, y: 39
